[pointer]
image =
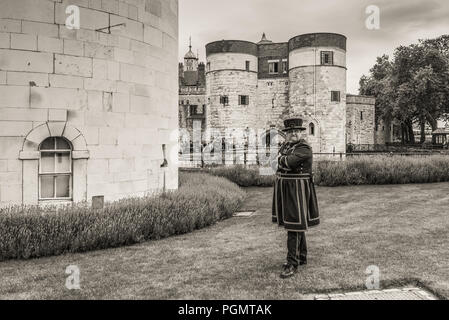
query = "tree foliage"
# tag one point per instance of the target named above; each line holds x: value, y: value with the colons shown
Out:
x: 413, y: 87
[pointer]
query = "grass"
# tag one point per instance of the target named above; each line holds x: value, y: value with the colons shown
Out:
x: 202, y: 200
x: 240, y: 258
x: 353, y: 171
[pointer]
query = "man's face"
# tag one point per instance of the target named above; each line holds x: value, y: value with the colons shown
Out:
x: 295, y: 135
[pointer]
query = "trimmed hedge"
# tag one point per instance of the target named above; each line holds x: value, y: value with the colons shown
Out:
x: 201, y: 200
x: 352, y: 171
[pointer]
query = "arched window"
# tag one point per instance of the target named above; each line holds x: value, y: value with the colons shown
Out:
x: 311, y: 129
x: 55, y: 169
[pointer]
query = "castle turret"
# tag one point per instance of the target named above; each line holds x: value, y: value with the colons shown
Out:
x: 190, y: 60
x: 231, y: 82
x: 317, y: 77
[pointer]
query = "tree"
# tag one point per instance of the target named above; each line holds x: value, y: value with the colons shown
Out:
x: 414, y: 87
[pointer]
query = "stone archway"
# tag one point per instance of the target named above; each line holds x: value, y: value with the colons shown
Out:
x: 30, y: 156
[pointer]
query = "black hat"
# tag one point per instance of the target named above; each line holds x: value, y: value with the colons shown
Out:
x: 292, y: 124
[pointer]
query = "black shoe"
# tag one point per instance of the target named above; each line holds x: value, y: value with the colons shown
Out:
x: 288, y: 271
x: 302, y: 262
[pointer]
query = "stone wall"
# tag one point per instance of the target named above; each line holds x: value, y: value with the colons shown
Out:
x: 310, y: 96
x: 272, y: 101
x: 113, y: 96
x: 192, y: 96
x: 231, y: 83
x: 360, y: 120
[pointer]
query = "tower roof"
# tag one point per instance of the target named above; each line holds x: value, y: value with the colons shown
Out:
x: 264, y: 39
x: 190, y: 54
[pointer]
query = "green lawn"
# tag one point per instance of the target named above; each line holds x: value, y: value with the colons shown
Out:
x: 403, y: 229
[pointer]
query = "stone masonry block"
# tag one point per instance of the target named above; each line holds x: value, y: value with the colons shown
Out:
x: 31, y: 10
x: 63, y: 81
x: 100, y: 69
x: 99, y: 51
x: 11, y: 192
x: 79, y: 143
x: 15, y: 128
x: 120, y: 102
x: 41, y: 29
x: 58, y: 98
x: 100, y: 84
x: 57, y: 115
x: 76, y: 66
x: 47, y: 44
x: 73, y: 47
x: 56, y: 128
x: 26, y: 61
x: 70, y: 133
x: 9, y: 25
x: 28, y: 79
x: 14, y: 96
x: 5, y: 40
x: 153, y: 36
x: 39, y: 134
x: 111, y: 6
x: 23, y: 114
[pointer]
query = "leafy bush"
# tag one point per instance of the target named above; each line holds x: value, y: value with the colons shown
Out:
x: 382, y: 170
x: 201, y: 200
x: 241, y: 175
x: 353, y: 171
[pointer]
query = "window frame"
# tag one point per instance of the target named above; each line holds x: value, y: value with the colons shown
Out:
x: 271, y: 70
x: 323, y: 54
x: 332, y: 96
x: 246, y: 100
x: 55, y: 174
x: 224, y: 100
x: 247, y: 65
x: 284, y: 66
x: 311, y: 129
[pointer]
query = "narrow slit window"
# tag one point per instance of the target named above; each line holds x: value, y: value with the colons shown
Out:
x: 311, y: 129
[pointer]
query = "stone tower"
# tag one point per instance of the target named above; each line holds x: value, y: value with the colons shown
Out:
x: 87, y: 112
x: 317, y: 76
x: 231, y: 84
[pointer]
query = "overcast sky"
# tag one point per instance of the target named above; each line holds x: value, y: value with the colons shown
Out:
x: 401, y: 22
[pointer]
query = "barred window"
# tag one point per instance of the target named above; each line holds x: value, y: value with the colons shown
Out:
x: 243, y: 100
x: 327, y: 57
x: 55, y: 169
x: 247, y: 64
x: 335, y: 96
x: 224, y: 100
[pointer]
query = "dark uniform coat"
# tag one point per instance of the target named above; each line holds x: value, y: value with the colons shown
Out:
x: 295, y: 204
